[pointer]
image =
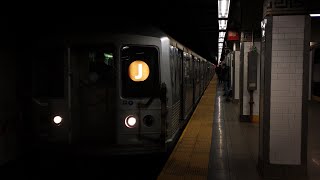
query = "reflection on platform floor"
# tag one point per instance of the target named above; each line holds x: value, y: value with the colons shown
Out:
x: 234, y: 149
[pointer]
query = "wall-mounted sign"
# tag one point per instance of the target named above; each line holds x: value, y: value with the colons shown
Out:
x: 138, y: 71
x: 233, y: 36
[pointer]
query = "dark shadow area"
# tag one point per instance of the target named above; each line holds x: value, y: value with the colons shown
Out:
x: 53, y: 164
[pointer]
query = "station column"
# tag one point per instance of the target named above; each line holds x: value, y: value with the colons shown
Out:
x: 248, y: 43
x: 283, y: 91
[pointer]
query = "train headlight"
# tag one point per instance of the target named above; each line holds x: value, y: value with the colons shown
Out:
x: 57, y: 120
x: 130, y: 121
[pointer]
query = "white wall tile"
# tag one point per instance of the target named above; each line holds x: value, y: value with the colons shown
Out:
x: 237, y: 74
x: 284, y: 76
x: 279, y: 85
x: 296, y: 53
x: 274, y: 76
x: 293, y: 19
x: 279, y: 93
x: 286, y: 89
x: 283, y: 53
x: 284, y: 41
x: 289, y: 59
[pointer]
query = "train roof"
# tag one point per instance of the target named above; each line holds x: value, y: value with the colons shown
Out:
x: 142, y: 30
x: 158, y: 33
x: 155, y: 32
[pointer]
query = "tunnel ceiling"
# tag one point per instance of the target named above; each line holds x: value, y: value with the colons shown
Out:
x: 193, y: 23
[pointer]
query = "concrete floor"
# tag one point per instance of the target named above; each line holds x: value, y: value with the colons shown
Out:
x: 234, y: 150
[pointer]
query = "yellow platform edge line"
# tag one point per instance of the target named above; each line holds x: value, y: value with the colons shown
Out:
x: 166, y: 176
x: 212, y: 81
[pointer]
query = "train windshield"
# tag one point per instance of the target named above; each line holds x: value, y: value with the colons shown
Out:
x: 140, y: 71
x: 101, y: 68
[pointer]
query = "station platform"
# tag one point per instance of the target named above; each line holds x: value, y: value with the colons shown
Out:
x: 215, y: 145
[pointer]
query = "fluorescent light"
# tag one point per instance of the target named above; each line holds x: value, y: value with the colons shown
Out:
x: 315, y: 15
x: 223, y: 8
x: 222, y: 34
x: 223, y: 24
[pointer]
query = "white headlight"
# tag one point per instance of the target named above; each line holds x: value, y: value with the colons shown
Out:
x: 130, y: 121
x: 57, y: 119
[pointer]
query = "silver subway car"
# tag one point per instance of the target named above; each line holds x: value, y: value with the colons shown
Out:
x: 128, y: 92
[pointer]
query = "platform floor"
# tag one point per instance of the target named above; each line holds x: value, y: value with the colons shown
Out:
x: 234, y: 150
x: 221, y: 147
x: 190, y: 157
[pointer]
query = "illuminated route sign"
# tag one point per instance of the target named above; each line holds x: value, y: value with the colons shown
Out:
x: 138, y: 71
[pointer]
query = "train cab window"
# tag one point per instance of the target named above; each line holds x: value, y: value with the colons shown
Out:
x: 101, y: 66
x: 139, y: 71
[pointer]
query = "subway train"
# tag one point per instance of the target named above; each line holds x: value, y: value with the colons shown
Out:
x: 125, y: 92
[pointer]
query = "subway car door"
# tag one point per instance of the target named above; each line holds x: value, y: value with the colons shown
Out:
x: 93, y: 117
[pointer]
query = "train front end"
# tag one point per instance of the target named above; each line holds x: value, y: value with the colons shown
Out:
x: 141, y: 124
x: 112, y: 97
